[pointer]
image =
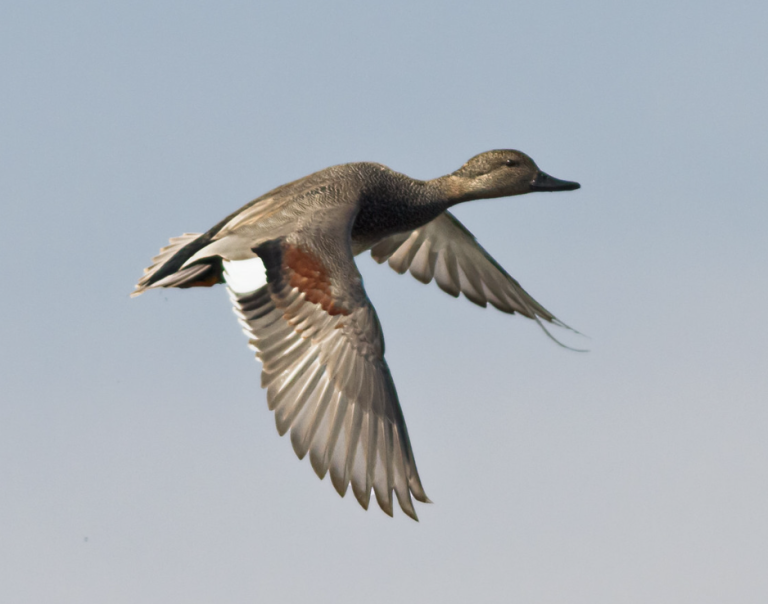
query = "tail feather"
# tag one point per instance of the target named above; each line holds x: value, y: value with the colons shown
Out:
x: 166, y: 271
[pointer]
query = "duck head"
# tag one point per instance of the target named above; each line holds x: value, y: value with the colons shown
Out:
x: 501, y: 173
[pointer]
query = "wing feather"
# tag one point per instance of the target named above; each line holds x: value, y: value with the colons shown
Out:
x: 444, y: 250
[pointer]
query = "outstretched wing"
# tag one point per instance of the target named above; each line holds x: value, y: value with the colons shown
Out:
x: 322, y: 350
x: 444, y: 250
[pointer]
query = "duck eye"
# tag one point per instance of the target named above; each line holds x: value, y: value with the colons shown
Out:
x: 512, y: 163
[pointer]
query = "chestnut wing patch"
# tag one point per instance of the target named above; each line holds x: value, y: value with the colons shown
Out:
x: 310, y: 277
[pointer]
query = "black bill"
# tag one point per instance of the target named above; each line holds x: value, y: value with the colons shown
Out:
x: 545, y: 182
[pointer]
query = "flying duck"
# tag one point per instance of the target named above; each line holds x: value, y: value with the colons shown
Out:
x: 308, y: 317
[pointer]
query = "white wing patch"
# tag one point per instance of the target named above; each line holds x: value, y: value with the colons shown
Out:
x: 244, y: 276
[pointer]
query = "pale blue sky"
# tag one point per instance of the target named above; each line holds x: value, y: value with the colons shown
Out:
x: 634, y: 473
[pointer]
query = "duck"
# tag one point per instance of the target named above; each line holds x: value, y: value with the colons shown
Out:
x: 306, y: 313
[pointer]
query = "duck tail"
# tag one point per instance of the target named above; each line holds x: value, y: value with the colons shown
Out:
x: 166, y: 268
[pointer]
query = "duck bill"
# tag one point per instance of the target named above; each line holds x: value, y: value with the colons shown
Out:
x: 545, y: 182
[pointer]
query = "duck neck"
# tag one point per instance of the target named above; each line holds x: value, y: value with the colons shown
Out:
x: 451, y: 189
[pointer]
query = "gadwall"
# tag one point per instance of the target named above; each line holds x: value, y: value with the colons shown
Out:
x: 314, y: 329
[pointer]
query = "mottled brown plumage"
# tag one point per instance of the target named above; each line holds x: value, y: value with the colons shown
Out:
x: 316, y: 332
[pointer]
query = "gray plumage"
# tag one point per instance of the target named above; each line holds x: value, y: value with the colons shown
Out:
x: 312, y: 325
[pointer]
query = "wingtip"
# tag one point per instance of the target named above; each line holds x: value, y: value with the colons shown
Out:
x: 317, y: 464
x: 554, y: 339
x: 339, y: 483
x: 362, y: 498
x: 298, y: 444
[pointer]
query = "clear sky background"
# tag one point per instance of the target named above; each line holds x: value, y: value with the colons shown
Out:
x: 138, y: 460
